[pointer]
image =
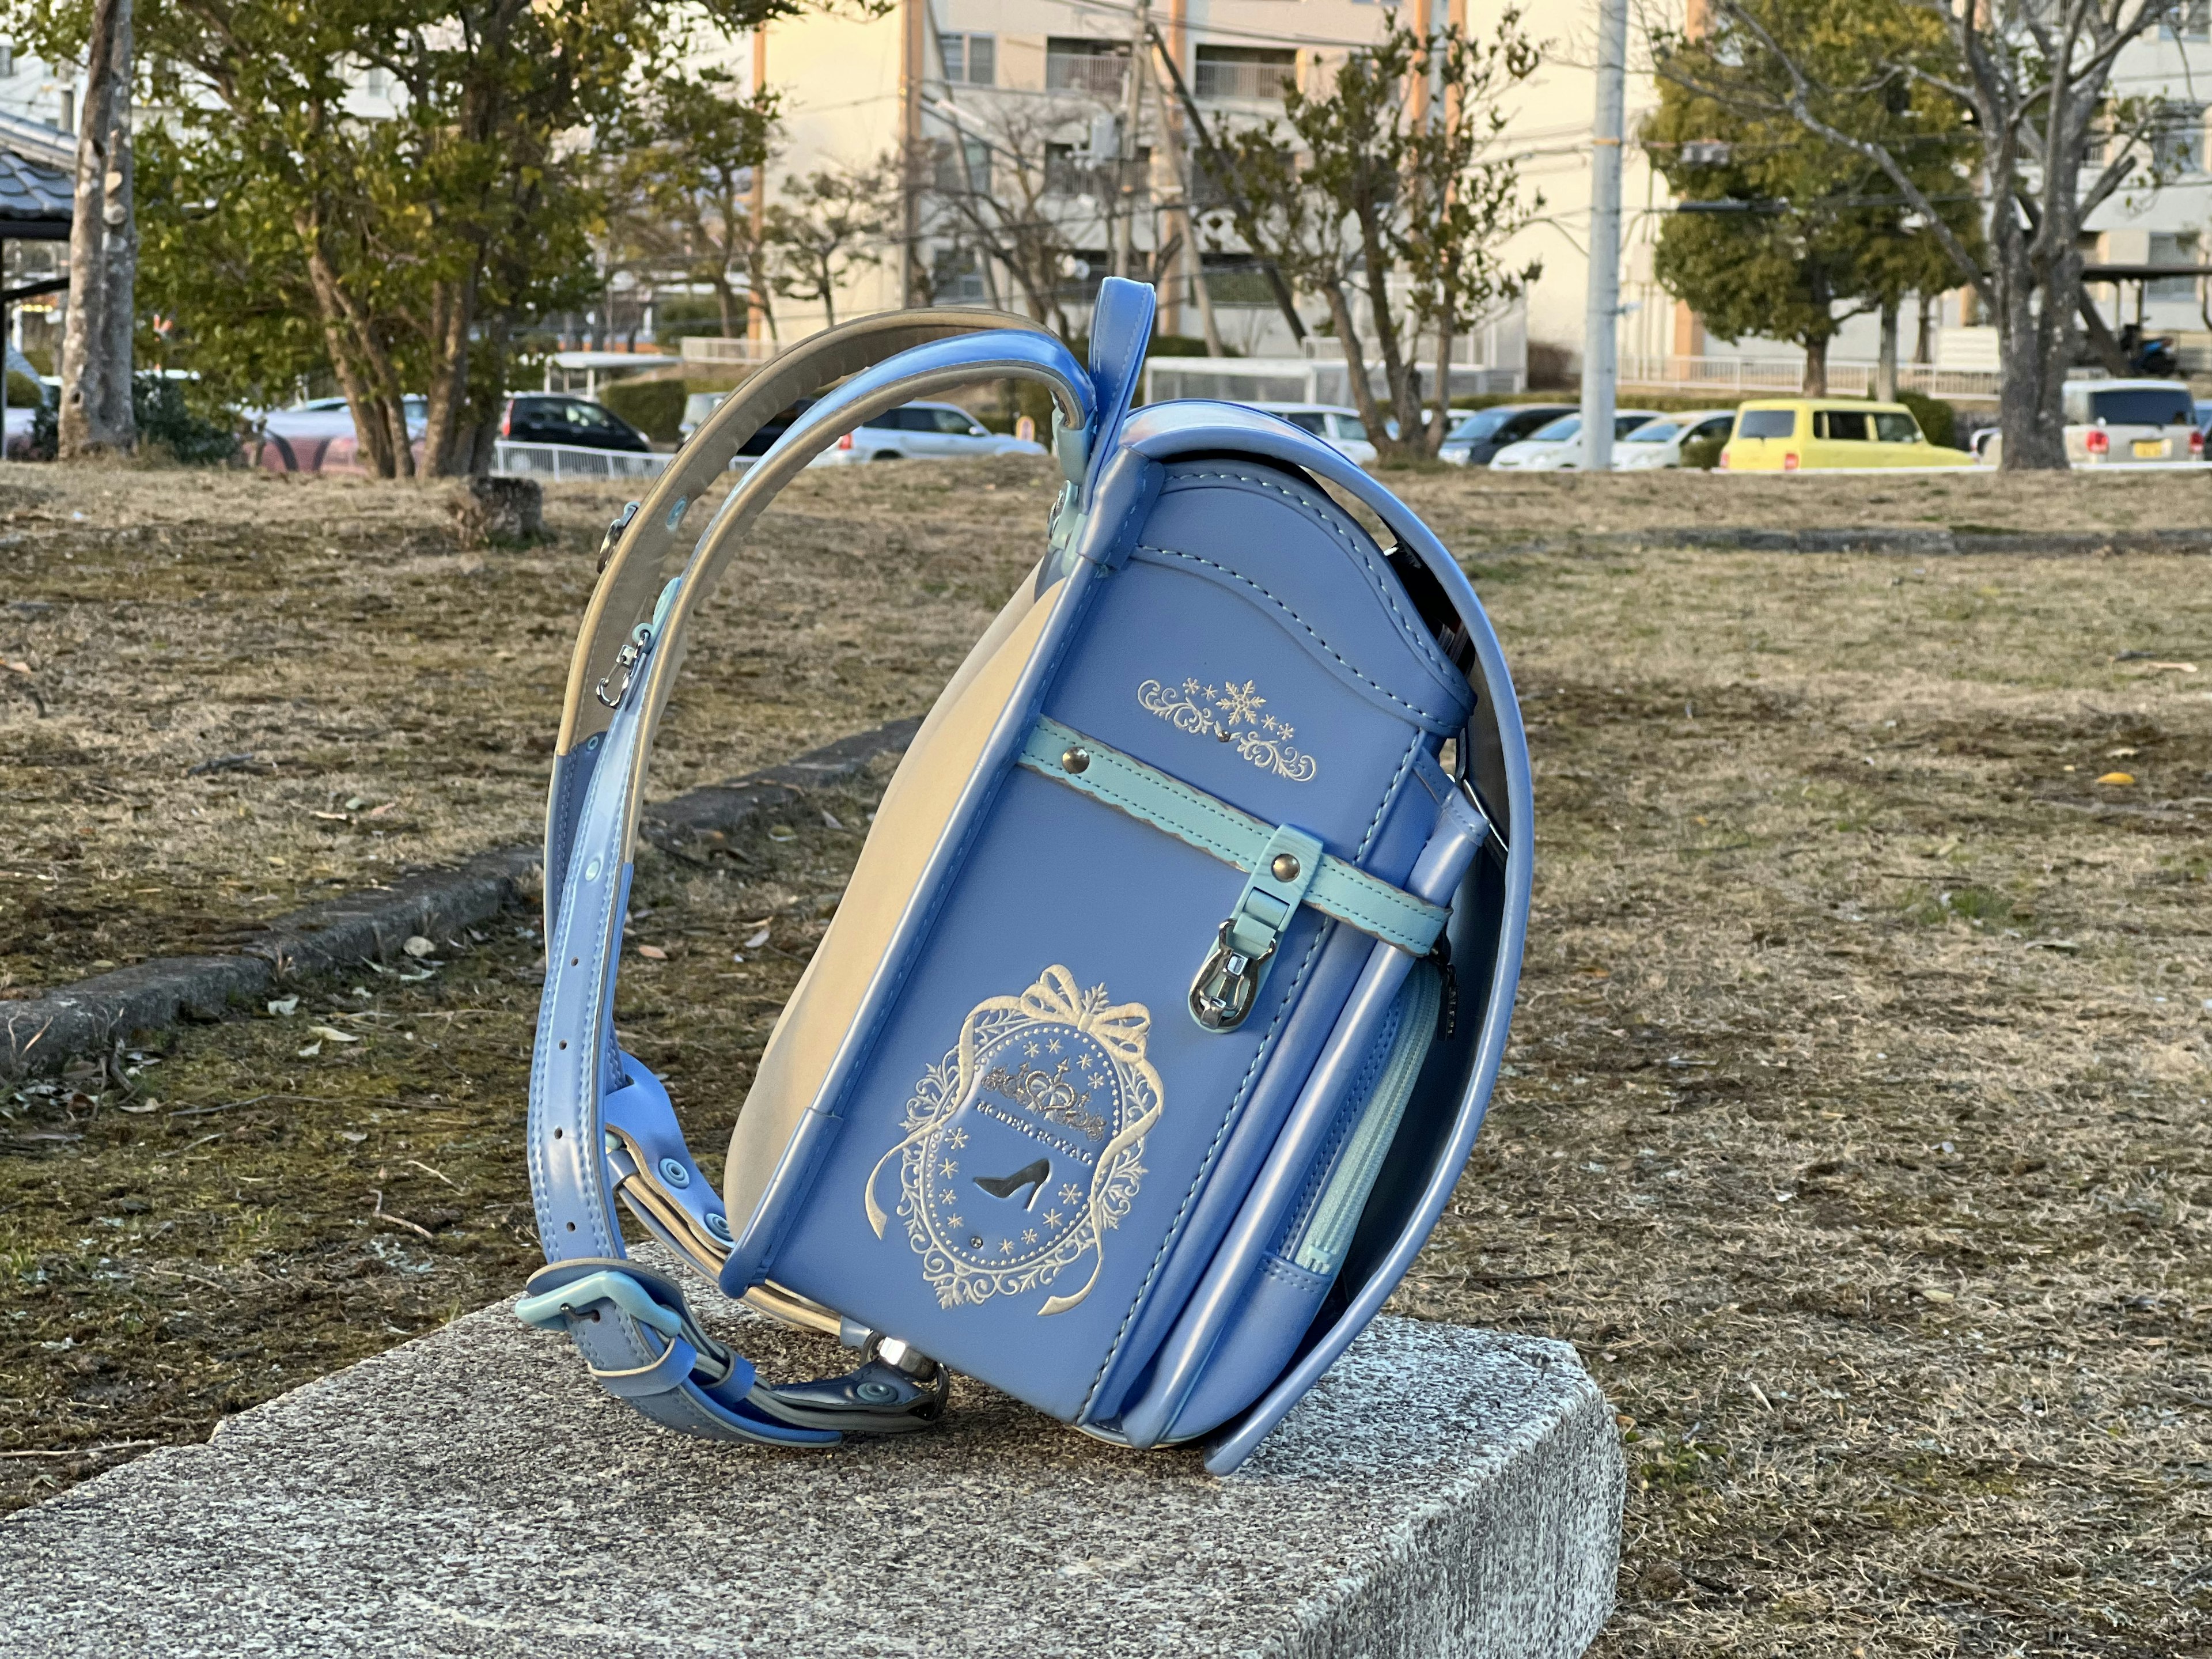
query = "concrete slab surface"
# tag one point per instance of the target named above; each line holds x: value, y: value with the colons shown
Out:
x: 1444, y: 1491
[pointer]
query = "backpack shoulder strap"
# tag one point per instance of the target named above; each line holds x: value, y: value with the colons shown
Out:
x: 600, y: 1123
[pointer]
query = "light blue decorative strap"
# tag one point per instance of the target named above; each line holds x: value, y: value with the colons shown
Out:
x: 1329, y: 885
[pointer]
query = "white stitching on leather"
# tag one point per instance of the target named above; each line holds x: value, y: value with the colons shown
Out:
x: 1329, y: 518
x: 1237, y: 575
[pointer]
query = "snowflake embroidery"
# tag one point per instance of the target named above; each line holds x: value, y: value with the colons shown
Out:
x: 1242, y: 703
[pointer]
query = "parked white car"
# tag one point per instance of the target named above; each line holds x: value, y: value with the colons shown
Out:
x: 934, y: 432
x: 1659, y: 443
x: 697, y: 407
x: 1558, y: 448
x: 1340, y: 428
x: 329, y: 417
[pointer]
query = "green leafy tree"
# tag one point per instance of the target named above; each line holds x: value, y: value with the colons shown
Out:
x: 2031, y: 82
x: 688, y: 155
x: 1393, y: 207
x: 1785, y: 234
x: 417, y: 239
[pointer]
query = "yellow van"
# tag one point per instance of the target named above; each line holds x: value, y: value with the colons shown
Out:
x: 1801, y: 435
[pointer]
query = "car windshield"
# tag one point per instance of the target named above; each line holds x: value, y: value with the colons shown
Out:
x: 1624, y: 424
x: 1657, y: 433
x: 2142, y: 406
x: 1892, y: 426
x: 1351, y: 427
x: 1481, y: 424
x: 1559, y: 430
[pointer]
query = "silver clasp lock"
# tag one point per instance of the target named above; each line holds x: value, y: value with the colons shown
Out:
x: 1228, y: 982
x: 626, y: 662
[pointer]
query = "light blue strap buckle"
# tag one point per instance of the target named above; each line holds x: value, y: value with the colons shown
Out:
x: 1326, y: 882
x: 549, y: 1311
x: 1230, y: 979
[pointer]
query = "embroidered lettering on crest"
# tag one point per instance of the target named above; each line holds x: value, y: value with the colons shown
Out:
x: 1230, y: 713
x: 998, y: 1197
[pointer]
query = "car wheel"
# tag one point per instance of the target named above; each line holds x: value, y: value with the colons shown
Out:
x: 887, y: 455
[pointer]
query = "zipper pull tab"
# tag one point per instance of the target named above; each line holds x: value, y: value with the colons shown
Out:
x: 1448, y: 1004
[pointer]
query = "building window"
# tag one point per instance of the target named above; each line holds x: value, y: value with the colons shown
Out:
x: 1258, y: 72
x: 970, y: 60
x: 2190, y: 21
x: 6, y: 59
x: 2174, y: 249
x: 955, y: 179
x: 2177, y: 139
x: 956, y: 280
x: 1093, y: 66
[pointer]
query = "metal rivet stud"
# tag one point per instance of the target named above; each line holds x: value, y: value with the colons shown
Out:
x: 876, y: 1394
x: 1075, y: 760
x: 1285, y: 867
x: 673, y: 1172
x: 719, y: 1224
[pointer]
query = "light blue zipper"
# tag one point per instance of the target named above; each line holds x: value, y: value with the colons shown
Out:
x: 1328, y: 1233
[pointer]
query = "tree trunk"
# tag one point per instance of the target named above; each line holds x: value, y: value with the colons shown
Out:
x: 1924, y: 343
x: 1432, y: 431
x: 96, y: 341
x: 1355, y: 370
x: 1885, y: 367
x: 453, y: 322
x: 1816, y: 368
x: 2035, y: 344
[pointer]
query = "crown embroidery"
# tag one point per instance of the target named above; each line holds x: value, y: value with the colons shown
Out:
x: 1231, y: 714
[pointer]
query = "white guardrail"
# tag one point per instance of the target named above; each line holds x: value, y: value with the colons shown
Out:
x: 558, y: 463
x: 1785, y: 376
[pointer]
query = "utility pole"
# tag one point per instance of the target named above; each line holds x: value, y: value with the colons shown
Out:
x: 1125, y: 230
x: 96, y: 412
x: 1210, y: 153
x: 913, y: 67
x: 1601, y: 324
x: 1193, y: 261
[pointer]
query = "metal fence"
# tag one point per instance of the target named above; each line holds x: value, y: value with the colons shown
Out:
x: 1742, y: 375
x: 556, y: 462
x: 1098, y: 73
x: 1256, y: 74
x: 712, y: 348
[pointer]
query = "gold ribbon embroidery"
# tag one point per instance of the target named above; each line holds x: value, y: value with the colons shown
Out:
x: 1056, y: 998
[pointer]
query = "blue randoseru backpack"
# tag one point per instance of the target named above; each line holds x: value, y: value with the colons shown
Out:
x: 1156, y: 1024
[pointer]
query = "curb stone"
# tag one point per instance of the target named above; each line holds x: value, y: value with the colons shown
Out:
x: 42, y: 1034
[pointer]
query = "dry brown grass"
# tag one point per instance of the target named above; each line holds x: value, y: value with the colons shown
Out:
x: 369, y: 697
x: 1854, y: 1129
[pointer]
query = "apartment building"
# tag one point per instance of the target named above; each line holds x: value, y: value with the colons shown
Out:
x: 1040, y: 109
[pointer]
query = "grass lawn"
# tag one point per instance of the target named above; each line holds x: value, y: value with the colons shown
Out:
x: 1854, y: 1129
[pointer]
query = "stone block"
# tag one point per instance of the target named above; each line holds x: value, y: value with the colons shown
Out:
x: 1444, y: 1491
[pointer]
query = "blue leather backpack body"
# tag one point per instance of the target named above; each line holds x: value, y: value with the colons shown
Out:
x: 1155, y: 1027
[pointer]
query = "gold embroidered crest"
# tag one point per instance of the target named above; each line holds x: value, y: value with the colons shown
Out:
x: 1230, y: 714
x: 1023, y: 1144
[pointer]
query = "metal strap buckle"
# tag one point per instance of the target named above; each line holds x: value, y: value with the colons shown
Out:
x: 1228, y: 982
x: 626, y: 662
